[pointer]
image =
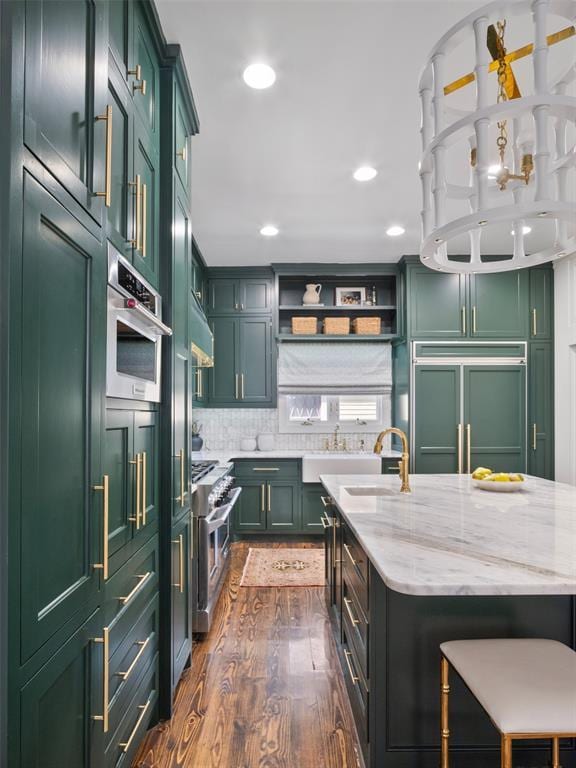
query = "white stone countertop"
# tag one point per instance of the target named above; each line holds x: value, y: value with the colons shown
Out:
x: 224, y: 457
x: 449, y: 538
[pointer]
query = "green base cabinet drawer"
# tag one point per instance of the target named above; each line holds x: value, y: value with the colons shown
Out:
x: 133, y: 585
x: 312, y: 508
x: 267, y: 469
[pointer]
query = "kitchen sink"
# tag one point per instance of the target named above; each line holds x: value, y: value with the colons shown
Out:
x: 316, y: 464
x: 366, y: 490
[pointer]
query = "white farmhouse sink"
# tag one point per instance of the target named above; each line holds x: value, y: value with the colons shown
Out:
x: 316, y: 464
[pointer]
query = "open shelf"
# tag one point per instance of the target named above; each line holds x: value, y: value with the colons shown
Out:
x: 281, y: 337
x: 329, y: 308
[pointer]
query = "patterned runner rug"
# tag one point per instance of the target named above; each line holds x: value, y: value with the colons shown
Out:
x: 284, y: 568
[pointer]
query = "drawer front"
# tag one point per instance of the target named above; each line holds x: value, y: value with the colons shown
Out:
x: 357, y: 687
x: 267, y: 469
x: 135, y: 722
x: 355, y: 583
x: 353, y: 554
x: 133, y: 655
x: 356, y: 625
x: 133, y: 585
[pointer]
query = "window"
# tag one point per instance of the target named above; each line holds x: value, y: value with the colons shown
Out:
x: 321, y: 413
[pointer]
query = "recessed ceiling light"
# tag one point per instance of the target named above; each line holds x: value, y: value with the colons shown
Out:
x: 365, y: 173
x: 259, y: 76
x: 395, y: 231
x: 269, y: 230
x: 525, y: 230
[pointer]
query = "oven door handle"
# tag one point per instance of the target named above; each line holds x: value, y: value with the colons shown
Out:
x: 149, y: 318
x: 220, y: 515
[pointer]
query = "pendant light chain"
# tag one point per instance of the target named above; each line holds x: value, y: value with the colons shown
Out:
x: 502, y: 140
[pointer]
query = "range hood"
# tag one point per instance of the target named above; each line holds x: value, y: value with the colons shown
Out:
x: 202, y: 340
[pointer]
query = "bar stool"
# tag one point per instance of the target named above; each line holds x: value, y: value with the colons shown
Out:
x: 527, y: 688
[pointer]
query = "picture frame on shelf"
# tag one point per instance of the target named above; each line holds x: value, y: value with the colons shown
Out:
x: 350, y: 297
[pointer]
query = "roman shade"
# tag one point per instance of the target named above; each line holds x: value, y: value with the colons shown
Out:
x: 333, y: 368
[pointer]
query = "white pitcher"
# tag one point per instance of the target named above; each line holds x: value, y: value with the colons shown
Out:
x: 312, y: 295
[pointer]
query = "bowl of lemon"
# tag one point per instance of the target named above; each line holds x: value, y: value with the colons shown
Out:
x: 501, y: 482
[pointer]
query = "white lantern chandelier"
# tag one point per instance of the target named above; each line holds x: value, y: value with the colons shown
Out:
x: 533, y: 178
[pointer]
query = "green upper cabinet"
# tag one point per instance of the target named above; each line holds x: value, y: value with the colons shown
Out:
x: 182, y: 132
x: 146, y: 252
x: 180, y: 272
x: 255, y: 363
x: 223, y: 378
x: 230, y: 295
x: 65, y: 94
x: 144, y: 74
x: 120, y: 33
x: 541, y: 304
x: 437, y: 306
x: 541, y: 410
x: 499, y: 305
x: 437, y: 406
x: 63, y: 332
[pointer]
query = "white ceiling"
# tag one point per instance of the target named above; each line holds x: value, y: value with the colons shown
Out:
x: 346, y: 95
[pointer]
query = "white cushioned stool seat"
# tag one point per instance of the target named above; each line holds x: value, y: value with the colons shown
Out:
x: 525, y: 686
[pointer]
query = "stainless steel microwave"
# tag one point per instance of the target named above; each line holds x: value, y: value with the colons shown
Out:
x: 134, y: 335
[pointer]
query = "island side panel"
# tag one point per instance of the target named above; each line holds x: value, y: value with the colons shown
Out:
x: 406, y: 632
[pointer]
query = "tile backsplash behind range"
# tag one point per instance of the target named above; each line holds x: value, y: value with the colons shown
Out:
x: 224, y: 428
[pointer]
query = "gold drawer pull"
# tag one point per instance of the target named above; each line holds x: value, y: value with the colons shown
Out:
x: 348, y: 603
x: 326, y: 501
x: 347, y: 550
x: 144, y: 505
x: 125, y: 745
x: 137, y: 184
x: 534, y: 322
x: 138, y: 463
x: 534, y: 437
x: 182, y: 498
x: 141, y: 85
x: 105, y: 640
x: 326, y: 522
x: 353, y: 677
x: 143, y: 239
x: 107, y: 194
x: 269, y: 497
x: 142, y: 644
x: 459, y: 449
x: 182, y: 153
x: 474, y: 328
x: 266, y: 469
x: 105, y: 488
x: 463, y: 311
x: 180, y: 584
x: 132, y: 594
x: 263, y: 498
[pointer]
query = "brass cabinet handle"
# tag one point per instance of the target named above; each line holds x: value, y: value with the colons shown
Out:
x: 105, y: 488
x: 138, y: 462
x: 348, y: 603
x: 469, y: 446
x: 199, y: 383
x: 125, y: 599
x: 105, y: 641
x: 183, y: 493
x: 125, y: 745
x: 144, y: 478
x: 265, y: 469
x: 353, y: 677
x: 326, y: 501
x: 107, y: 194
x: 137, y: 184
x: 474, y: 329
x: 141, y: 85
x: 269, y: 497
x: 263, y: 497
x: 463, y: 311
x: 143, y: 238
x: 135, y: 660
x: 347, y: 550
x: 325, y: 522
x: 241, y: 386
x: 236, y: 386
x: 534, y: 322
x: 534, y: 437
x: 180, y: 584
x: 460, y: 449
x: 182, y: 153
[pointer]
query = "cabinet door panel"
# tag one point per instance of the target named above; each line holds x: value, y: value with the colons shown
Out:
x: 120, y: 212
x: 541, y: 413
x: 146, y: 444
x: 437, y: 304
x: 119, y: 32
x: 223, y: 376
x: 255, y: 360
x: 180, y: 280
x: 256, y: 295
x: 181, y: 596
x: 65, y: 52
x: 57, y: 705
x: 145, y: 257
x: 181, y: 143
x: 146, y: 57
x: 541, y: 303
x: 180, y: 494
x: 223, y: 295
x: 250, y: 509
x: 499, y: 305
x: 117, y: 455
x: 437, y: 415
x: 283, y: 506
x: 312, y: 508
x: 63, y: 333
x: 495, y: 409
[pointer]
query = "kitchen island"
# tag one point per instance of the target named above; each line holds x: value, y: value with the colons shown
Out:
x: 447, y: 561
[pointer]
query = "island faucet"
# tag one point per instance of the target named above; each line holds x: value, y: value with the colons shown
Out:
x: 404, y: 463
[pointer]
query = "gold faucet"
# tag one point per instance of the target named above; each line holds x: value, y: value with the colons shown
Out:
x: 404, y: 463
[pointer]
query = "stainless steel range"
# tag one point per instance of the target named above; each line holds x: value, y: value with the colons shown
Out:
x: 212, y: 505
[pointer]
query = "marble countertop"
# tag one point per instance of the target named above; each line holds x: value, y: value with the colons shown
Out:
x: 449, y: 538
x: 224, y: 457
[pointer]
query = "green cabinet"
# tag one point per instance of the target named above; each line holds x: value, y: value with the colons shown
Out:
x: 144, y: 75
x: 541, y: 304
x: 223, y: 377
x: 120, y: 34
x: 230, y: 295
x: 541, y: 410
x: 180, y: 497
x: 437, y: 419
x: 181, y: 635
x: 271, y: 498
x: 145, y: 246
x: 499, y: 305
x: 250, y: 509
x: 312, y: 507
x: 61, y: 334
x: 283, y: 506
x: 437, y: 305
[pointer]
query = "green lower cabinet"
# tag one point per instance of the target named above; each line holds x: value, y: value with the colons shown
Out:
x: 283, y: 506
x: 312, y: 507
x: 59, y: 704
x: 181, y: 636
x: 437, y: 397
x: 541, y: 410
x: 250, y: 509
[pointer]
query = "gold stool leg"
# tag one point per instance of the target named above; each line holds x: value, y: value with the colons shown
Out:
x: 444, y: 697
x: 506, y: 752
x: 556, y: 753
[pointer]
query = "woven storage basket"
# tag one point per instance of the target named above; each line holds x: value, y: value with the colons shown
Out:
x: 336, y: 326
x: 305, y: 325
x: 367, y: 326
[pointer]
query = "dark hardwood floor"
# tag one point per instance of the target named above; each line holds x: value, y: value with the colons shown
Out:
x: 264, y: 690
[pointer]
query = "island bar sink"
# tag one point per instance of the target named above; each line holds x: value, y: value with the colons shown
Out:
x: 314, y: 465
x: 369, y: 490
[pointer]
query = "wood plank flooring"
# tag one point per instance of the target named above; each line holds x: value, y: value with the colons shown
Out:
x: 265, y: 689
